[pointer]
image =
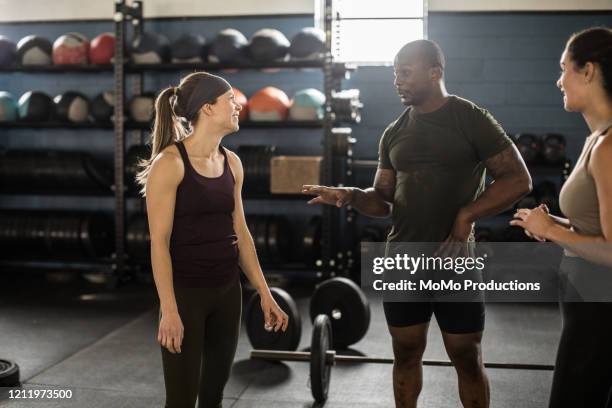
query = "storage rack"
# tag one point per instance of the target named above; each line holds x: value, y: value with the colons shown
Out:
x: 335, y: 233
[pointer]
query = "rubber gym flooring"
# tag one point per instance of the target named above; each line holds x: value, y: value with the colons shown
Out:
x: 102, y: 345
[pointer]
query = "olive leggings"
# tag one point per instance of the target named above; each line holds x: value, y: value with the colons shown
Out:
x: 211, y: 319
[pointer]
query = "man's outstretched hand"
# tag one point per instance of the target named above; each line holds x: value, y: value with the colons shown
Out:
x: 338, y: 196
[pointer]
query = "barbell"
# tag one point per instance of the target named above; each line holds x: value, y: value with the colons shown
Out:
x: 322, y: 358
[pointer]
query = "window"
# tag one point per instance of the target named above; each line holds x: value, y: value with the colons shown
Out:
x: 370, y: 32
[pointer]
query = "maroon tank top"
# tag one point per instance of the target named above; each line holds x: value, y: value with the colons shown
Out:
x: 203, y: 245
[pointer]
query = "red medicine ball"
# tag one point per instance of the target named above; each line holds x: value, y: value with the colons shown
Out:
x: 102, y: 49
x: 71, y: 48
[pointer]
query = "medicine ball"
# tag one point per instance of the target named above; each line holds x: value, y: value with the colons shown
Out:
x: 8, y: 52
x: 8, y: 107
x: 530, y: 146
x: 307, y: 104
x: 190, y: 48
x: 72, y: 107
x: 102, y: 106
x: 35, y: 106
x: 308, y: 43
x: 71, y: 49
x: 243, y: 101
x: 102, y: 49
x: 553, y: 148
x: 268, y: 45
x: 269, y: 104
x: 150, y: 48
x: 34, y: 50
x: 228, y: 47
x: 142, y: 108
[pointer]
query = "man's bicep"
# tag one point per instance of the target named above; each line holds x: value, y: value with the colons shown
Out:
x: 384, y: 183
x: 505, y: 163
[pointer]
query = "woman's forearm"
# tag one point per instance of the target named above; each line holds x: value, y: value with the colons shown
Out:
x: 561, y: 221
x: 593, y: 248
x: 162, y: 274
x: 249, y: 262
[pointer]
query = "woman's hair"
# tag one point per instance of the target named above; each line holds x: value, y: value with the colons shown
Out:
x: 593, y: 45
x: 174, y: 109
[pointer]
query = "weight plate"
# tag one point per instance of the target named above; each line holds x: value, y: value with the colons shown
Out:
x: 279, y: 239
x: 254, y: 322
x: 99, y: 177
x: 320, y: 371
x: 138, y: 239
x: 9, y: 374
x: 311, y: 241
x: 96, y: 235
x: 347, y: 307
x: 261, y: 228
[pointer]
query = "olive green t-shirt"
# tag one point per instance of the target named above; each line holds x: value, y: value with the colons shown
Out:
x: 438, y: 162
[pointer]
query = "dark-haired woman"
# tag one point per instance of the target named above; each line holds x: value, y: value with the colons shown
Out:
x: 583, y: 368
x: 199, y: 239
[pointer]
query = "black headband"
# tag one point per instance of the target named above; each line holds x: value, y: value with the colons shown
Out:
x: 209, y: 87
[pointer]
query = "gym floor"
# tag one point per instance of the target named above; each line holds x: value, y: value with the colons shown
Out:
x: 102, y: 345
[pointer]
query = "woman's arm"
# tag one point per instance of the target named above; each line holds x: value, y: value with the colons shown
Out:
x: 594, y: 248
x: 248, y: 256
x: 165, y: 175
x: 249, y: 263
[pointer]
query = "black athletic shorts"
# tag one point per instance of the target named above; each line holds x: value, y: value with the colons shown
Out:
x: 452, y: 317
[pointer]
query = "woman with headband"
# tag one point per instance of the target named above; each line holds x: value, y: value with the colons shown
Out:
x: 199, y: 239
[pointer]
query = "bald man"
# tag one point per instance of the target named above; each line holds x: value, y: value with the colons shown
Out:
x: 431, y: 180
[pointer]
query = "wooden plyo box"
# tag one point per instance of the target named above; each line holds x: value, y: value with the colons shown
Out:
x: 289, y: 173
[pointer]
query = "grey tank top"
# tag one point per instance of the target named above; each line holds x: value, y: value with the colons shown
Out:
x: 578, y: 197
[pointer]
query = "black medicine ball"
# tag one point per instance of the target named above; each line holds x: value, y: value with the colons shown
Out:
x: 34, y: 50
x: 102, y: 107
x: 308, y: 43
x: 72, y: 107
x: 268, y: 45
x: 8, y: 52
x: 229, y: 47
x: 150, y: 48
x: 190, y: 48
x: 35, y: 106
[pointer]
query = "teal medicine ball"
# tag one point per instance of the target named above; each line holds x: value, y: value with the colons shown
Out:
x: 307, y: 104
x: 8, y: 107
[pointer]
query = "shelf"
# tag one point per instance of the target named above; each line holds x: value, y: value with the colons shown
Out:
x: 75, y: 194
x: 55, y: 125
x: 58, y: 264
x: 338, y: 67
x: 314, y: 124
x: 171, y: 67
x: 147, y: 126
x: 58, y: 69
x: 263, y: 196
